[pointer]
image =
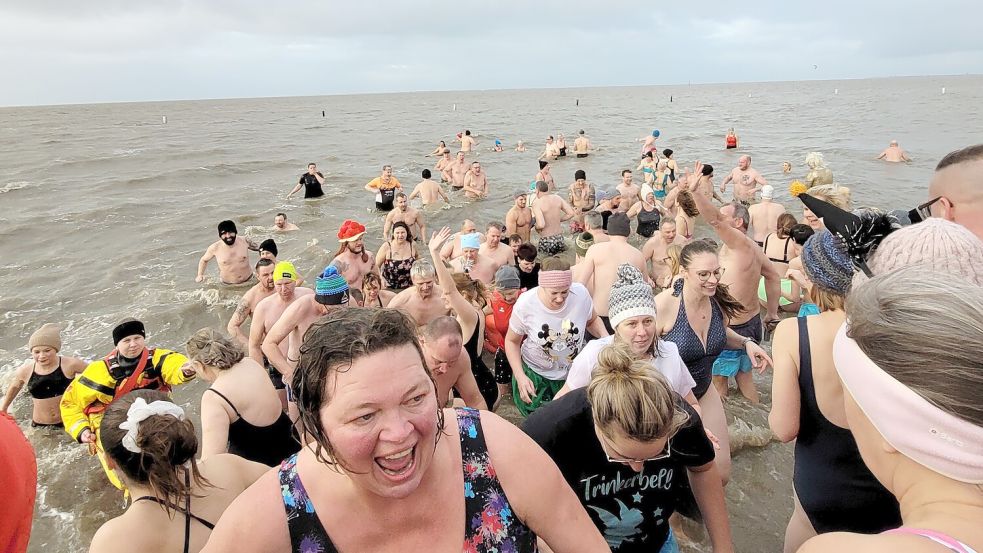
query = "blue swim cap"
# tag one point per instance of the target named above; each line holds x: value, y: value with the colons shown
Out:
x: 656, y: 133
x: 498, y: 142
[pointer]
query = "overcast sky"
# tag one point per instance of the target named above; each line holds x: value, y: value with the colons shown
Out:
x: 53, y: 52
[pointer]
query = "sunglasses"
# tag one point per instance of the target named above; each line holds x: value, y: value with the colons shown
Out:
x: 924, y: 211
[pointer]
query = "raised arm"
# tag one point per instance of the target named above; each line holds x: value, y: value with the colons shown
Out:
x: 466, y: 312
x: 733, y: 238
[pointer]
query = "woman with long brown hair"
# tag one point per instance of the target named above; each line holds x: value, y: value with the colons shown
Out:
x: 694, y: 314
x: 176, y: 499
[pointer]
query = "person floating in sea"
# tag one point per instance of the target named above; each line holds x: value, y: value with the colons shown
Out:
x: 46, y: 375
x: 894, y: 153
x: 232, y: 252
x: 311, y: 182
x: 520, y: 146
x: 280, y: 223
x: 130, y: 366
x: 384, y: 186
x: 498, y: 146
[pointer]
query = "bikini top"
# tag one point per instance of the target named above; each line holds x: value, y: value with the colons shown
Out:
x: 784, y: 254
x: 186, y: 511
x: 47, y: 386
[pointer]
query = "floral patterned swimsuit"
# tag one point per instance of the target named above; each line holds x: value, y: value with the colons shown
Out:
x: 490, y: 525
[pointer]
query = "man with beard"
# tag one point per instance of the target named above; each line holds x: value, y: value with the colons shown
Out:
x: 352, y: 259
x: 473, y: 264
x: 280, y: 223
x: 267, y: 312
x: 421, y: 302
x: 443, y: 348
x: 406, y: 214
x: 330, y: 292
x: 232, y: 253
x: 494, y: 249
x: 518, y: 220
x: 247, y: 305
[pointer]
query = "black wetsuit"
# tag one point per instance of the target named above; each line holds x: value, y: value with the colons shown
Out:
x: 264, y: 444
x: 835, y: 488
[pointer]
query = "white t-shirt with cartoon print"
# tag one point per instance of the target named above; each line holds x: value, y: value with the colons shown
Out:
x: 553, y: 338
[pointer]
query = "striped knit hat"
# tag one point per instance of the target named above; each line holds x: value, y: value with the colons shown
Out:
x: 630, y: 296
x: 331, y: 288
x: 827, y: 263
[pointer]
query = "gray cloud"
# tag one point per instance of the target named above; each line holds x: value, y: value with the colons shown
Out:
x: 110, y: 50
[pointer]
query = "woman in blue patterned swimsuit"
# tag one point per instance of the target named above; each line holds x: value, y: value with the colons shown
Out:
x: 387, y: 470
x: 694, y: 315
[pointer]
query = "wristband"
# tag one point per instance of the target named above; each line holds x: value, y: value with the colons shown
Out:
x: 746, y: 340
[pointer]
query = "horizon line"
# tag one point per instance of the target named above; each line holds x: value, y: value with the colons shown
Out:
x: 509, y: 89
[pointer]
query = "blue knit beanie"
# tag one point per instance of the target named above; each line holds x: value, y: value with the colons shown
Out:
x: 331, y: 288
x: 827, y: 264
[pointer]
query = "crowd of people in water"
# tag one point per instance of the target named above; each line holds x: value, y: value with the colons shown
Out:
x: 359, y: 413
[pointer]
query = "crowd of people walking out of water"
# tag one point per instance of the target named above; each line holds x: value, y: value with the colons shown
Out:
x: 553, y: 380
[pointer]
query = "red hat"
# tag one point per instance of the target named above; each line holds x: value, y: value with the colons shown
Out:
x: 350, y: 231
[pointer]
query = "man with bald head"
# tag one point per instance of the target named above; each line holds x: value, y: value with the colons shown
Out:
x: 747, y: 181
x: 452, y: 249
x: 894, y: 154
x: 956, y: 190
x: 443, y: 346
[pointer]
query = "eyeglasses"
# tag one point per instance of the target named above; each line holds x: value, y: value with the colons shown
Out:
x: 624, y: 461
x: 705, y: 275
x: 924, y: 211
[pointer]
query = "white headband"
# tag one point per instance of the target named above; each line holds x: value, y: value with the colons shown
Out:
x: 141, y: 411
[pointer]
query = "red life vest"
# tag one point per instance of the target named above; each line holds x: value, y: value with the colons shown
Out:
x: 731, y: 141
x: 136, y: 381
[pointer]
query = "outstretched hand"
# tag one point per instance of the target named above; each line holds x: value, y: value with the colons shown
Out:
x: 759, y: 358
x: 438, y: 238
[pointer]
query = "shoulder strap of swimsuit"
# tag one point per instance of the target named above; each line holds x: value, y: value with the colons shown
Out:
x: 221, y: 395
x: 785, y: 253
x: 764, y: 245
x: 677, y: 291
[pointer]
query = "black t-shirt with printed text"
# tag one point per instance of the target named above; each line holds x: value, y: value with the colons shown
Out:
x: 631, y: 509
x: 312, y: 187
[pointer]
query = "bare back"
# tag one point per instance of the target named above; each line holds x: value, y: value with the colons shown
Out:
x: 606, y: 258
x: 764, y: 219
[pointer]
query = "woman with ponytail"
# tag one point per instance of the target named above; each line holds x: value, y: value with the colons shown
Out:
x: 622, y: 443
x: 176, y: 500
x: 694, y: 314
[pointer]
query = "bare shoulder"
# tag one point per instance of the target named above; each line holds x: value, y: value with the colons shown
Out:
x: 117, y: 535
x: 401, y: 298
x: 260, y: 510
x: 508, y: 446
x: 23, y: 373
x: 786, y: 333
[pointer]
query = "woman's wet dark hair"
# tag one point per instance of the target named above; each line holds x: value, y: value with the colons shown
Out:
x: 404, y: 226
x: 728, y: 304
x: 667, y: 152
x: 333, y: 344
x: 168, y: 449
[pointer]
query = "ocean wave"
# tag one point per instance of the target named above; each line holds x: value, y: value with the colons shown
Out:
x: 17, y: 185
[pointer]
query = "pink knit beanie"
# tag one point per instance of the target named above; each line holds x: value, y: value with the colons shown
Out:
x: 949, y: 247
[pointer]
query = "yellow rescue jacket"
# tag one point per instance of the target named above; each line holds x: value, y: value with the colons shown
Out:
x: 103, y: 381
